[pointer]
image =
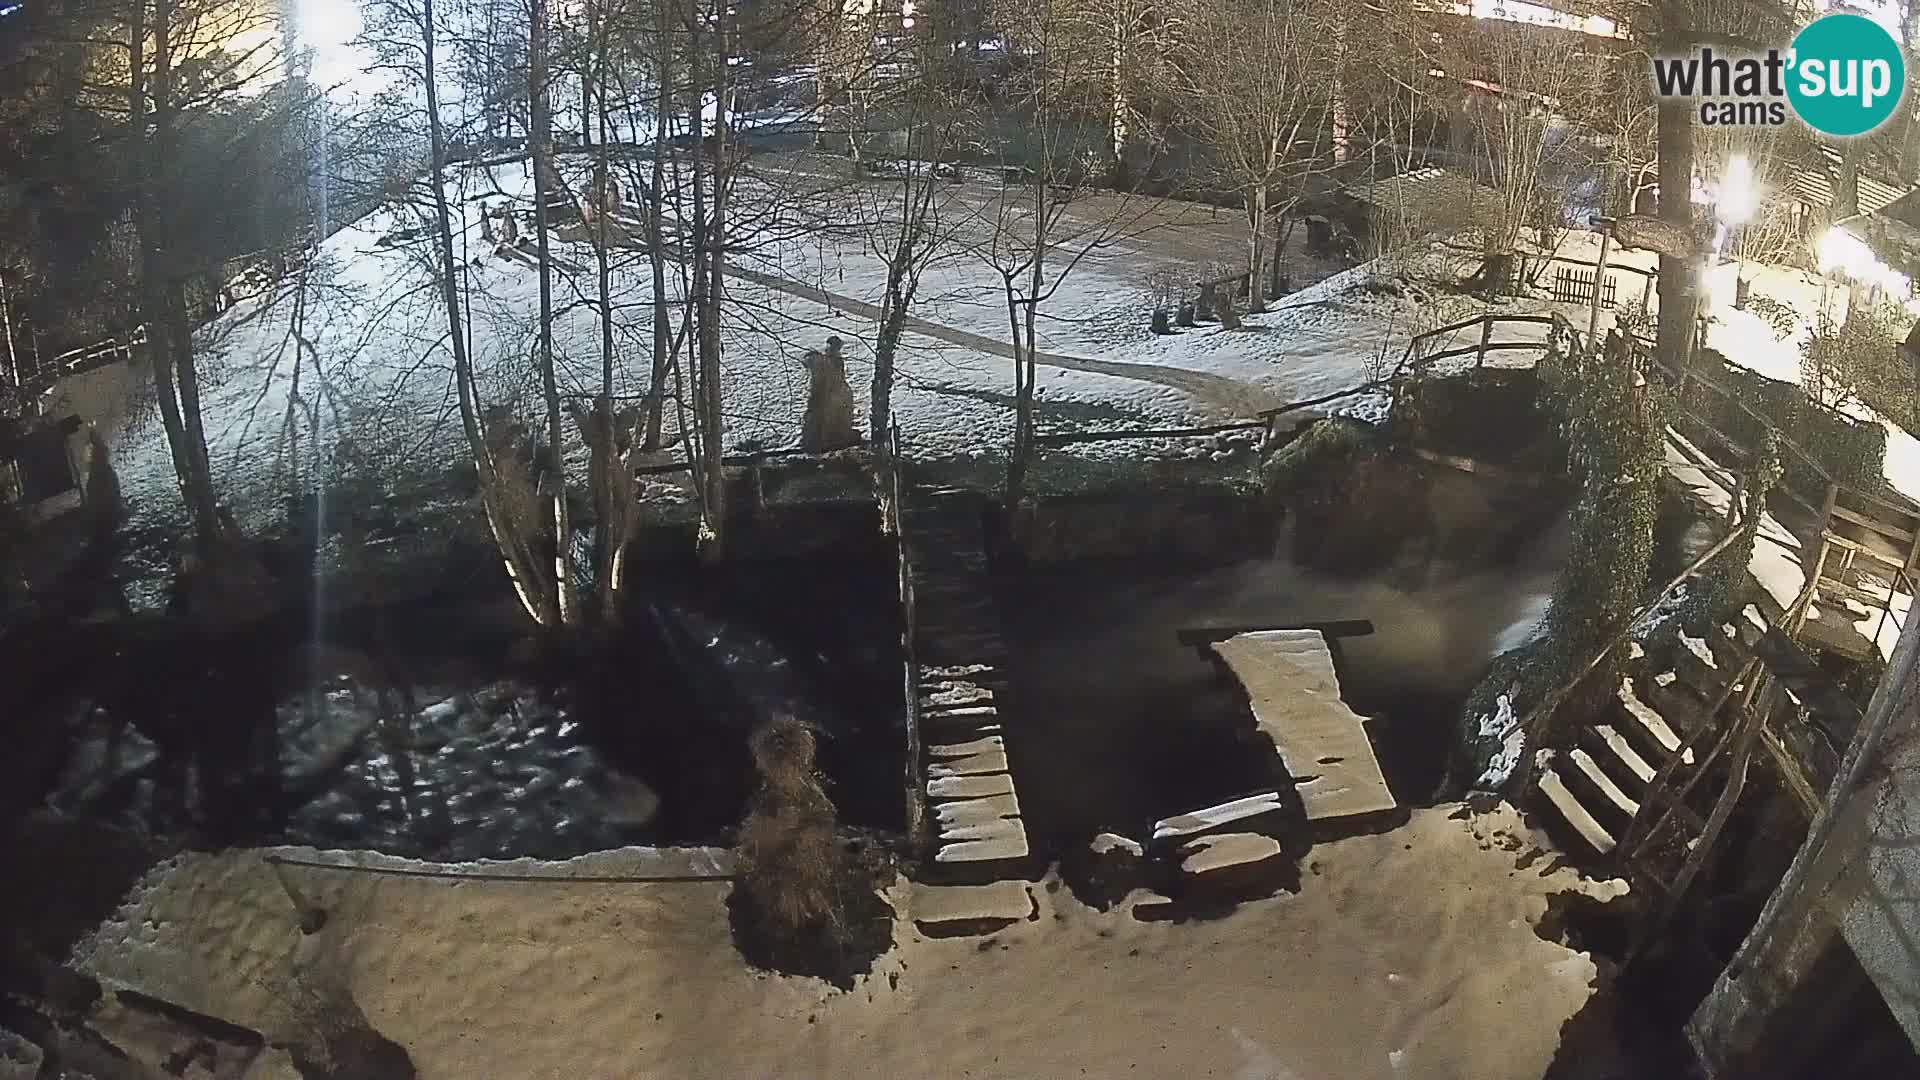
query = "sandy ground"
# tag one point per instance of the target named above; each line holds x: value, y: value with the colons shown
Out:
x: 1407, y: 954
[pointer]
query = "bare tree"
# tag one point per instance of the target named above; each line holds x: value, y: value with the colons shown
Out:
x: 1033, y: 241
x: 1531, y: 83
x: 1256, y: 93
x: 405, y: 35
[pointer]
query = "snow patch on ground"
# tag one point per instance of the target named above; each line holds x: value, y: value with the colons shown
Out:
x: 584, y: 979
x: 1502, y: 727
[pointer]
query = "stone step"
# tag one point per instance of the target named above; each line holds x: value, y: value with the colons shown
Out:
x: 971, y: 910
x: 983, y: 744
x: 969, y: 787
x: 970, y: 811
x: 981, y: 764
x: 1008, y: 843
x: 1562, y: 799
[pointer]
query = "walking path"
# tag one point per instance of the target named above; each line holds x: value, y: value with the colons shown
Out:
x: 1230, y: 397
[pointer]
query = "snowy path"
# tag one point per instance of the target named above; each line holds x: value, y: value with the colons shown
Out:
x: 1230, y: 397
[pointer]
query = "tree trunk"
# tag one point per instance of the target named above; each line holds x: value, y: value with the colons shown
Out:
x: 1256, y: 249
x: 541, y: 108
x: 656, y: 235
x: 610, y: 514
x: 1119, y: 102
x: 712, y: 384
x: 169, y: 337
x: 1674, y: 143
x: 535, y: 598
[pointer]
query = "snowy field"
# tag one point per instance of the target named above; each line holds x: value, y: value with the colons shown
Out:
x: 1410, y: 954
x: 358, y: 350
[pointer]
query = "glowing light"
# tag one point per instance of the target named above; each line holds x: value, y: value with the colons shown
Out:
x: 1840, y: 252
x: 1738, y: 196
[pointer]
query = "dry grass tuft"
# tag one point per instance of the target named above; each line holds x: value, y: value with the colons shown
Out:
x: 792, y: 863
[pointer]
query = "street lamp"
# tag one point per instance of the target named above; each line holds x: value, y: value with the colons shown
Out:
x: 1734, y: 205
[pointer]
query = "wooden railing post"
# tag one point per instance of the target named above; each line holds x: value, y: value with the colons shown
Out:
x: 1486, y: 338
x: 1827, y: 504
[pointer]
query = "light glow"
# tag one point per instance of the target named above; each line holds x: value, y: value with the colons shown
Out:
x: 1846, y: 255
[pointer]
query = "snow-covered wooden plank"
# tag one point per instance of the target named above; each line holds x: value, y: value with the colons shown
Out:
x: 1624, y: 752
x: 986, y: 809
x: 1213, y: 817
x: 1569, y: 808
x: 991, y: 829
x: 1209, y: 853
x: 1002, y: 901
x: 982, y: 745
x: 1604, y: 783
x: 962, y: 696
x: 969, y: 787
x: 1013, y: 845
x: 987, y: 761
x: 1650, y: 721
x: 1290, y: 681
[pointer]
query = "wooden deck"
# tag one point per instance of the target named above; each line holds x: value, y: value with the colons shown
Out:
x: 1290, y: 681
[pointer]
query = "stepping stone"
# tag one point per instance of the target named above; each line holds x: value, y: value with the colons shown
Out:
x: 971, y: 910
x: 969, y: 787
x: 1011, y: 844
x: 971, y: 695
x: 966, y: 811
x: 981, y: 764
x: 1574, y: 814
x: 981, y: 745
x: 1224, y: 851
x: 962, y: 712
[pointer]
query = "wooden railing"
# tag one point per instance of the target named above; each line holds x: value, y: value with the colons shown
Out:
x: 891, y: 484
x: 85, y: 358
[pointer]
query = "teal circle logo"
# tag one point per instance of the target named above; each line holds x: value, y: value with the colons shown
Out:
x: 1845, y: 75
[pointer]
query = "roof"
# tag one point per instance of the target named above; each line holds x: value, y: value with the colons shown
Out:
x: 1420, y: 187
x: 1815, y: 186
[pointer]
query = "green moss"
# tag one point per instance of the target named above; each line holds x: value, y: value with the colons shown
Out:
x: 1326, y: 445
x: 1614, y: 426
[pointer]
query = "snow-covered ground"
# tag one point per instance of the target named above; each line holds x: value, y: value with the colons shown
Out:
x: 375, y: 368
x: 1406, y: 954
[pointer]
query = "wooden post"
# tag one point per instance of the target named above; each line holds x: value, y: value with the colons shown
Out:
x: 1826, y: 505
x: 1486, y: 337
x: 1733, y: 507
x: 1600, y: 276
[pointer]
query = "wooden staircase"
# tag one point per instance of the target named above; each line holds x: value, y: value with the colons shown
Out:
x: 978, y: 831
x: 1598, y: 787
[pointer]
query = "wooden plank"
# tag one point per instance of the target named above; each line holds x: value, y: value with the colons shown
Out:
x: 1212, y: 817
x: 1321, y: 741
x: 1561, y: 797
x: 1650, y: 721
x: 1895, y: 532
x: 969, y: 787
x: 1590, y: 769
x: 1624, y: 752
x: 971, y: 811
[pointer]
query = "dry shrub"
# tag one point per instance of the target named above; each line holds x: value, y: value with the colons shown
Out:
x: 790, y: 860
